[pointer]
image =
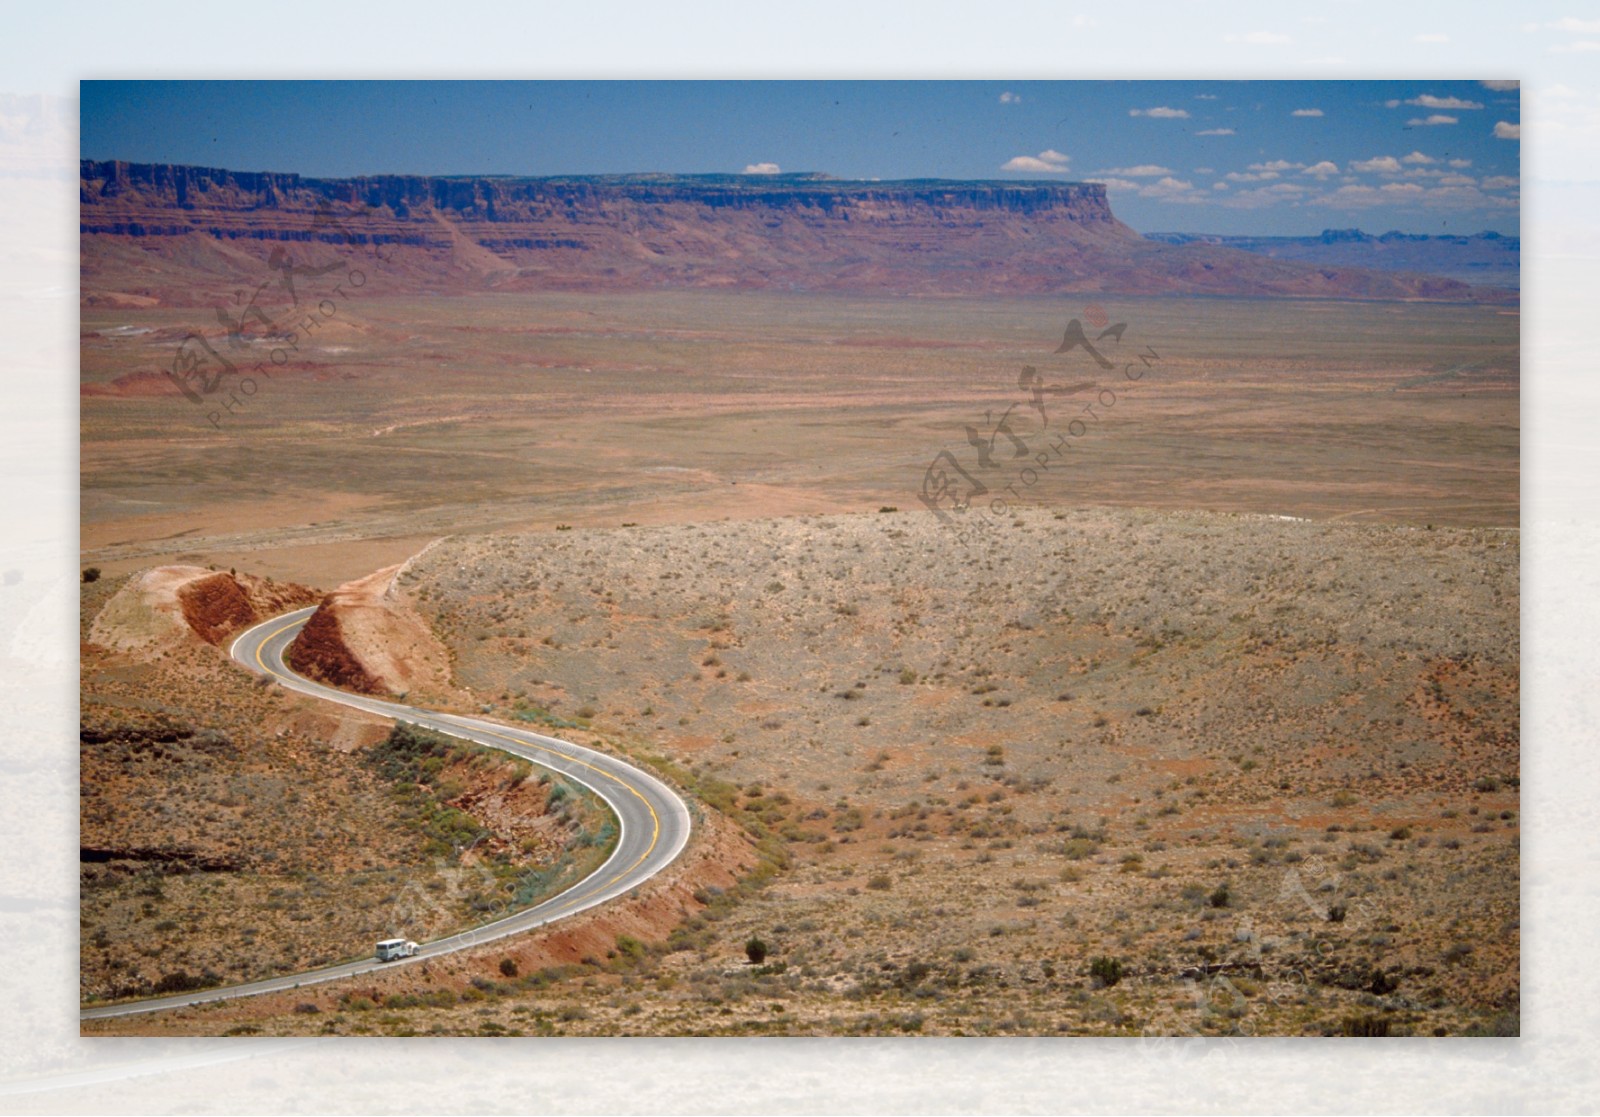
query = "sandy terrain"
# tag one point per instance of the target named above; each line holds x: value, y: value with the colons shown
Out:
x: 1251, y: 760
x: 1228, y: 699
x: 523, y: 412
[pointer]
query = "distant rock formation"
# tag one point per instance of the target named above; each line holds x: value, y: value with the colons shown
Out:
x: 210, y: 229
x: 1485, y: 259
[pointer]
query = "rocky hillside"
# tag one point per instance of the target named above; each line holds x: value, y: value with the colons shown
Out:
x: 176, y: 235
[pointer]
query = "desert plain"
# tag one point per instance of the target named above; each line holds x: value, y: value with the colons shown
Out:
x: 1211, y: 728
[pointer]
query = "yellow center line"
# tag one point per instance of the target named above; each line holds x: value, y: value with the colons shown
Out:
x: 655, y: 820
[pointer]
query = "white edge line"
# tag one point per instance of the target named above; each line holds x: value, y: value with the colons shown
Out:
x: 476, y: 935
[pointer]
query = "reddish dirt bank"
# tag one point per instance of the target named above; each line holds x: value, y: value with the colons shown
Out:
x: 168, y: 606
x: 718, y: 854
x: 366, y: 637
x: 319, y: 652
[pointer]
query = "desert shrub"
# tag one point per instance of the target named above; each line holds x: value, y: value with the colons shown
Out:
x: 1367, y: 1026
x: 1502, y: 1024
x: 1219, y: 898
x: 91, y: 574
x: 181, y: 981
x: 1106, y: 971
x: 629, y: 948
x: 508, y: 967
x: 879, y: 882
x: 755, y: 950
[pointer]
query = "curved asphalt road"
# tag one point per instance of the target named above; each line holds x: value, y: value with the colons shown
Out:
x: 654, y: 821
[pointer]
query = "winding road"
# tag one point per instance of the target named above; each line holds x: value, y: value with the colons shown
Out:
x: 654, y: 822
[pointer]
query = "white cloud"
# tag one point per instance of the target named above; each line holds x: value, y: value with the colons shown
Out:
x: 1501, y: 86
x: 1429, y: 101
x: 1322, y: 169
x: 1393, y: 104
x: 1581, y: 46
x: 1046, y: 162
x: 1381, y: 164
x: 1432, y: 37
x: 1030, y: 164
x: 1276, y: 165
x: 1352, y: 196
x: 1143, y: 170
x: 1261, y: 197
x: 1432, y: 119
x: 1168, y: 189
x: 1010, y: 98
x: 1500, y: 182
x: 1215, y: 132
x: 1576, y: 26
x: 1459, y: 163
x: 1456, y: 180
x: 761, y: 169
x: 1240, y: 176
x: 1259, y: 39
x: 1306, y: 112
x: 1507, y: 131
x: 1205, y: 96
x: 1219, y: 186
x: 1161, y: 112
x: 1418, y: 158
x: 1446, y: 196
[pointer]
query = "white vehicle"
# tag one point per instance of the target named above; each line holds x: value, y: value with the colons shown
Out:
x: 390, y: 949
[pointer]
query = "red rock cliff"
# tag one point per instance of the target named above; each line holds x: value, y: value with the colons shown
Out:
x: 785, y: 232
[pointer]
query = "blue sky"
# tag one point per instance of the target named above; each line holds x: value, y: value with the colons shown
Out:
x: 1269, y: 157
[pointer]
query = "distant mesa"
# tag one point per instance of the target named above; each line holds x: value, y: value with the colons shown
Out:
x: 787, y: 232
x: 1486, y: 259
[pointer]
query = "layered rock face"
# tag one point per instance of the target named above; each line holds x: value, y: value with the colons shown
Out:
x: 783, y: 232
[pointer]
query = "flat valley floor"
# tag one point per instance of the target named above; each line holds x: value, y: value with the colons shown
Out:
x: 1211, y: 728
